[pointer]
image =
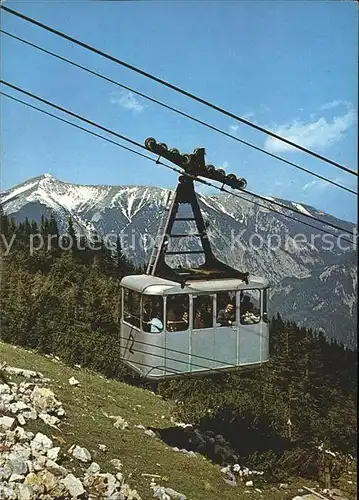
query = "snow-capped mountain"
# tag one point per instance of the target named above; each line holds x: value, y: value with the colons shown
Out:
x: 313, y: 278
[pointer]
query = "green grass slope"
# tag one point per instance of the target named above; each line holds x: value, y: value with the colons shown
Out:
x: 87, y: 424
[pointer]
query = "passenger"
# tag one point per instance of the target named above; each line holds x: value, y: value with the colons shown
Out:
x: 146, y: 312
x: 171, y: 319
x: 198, y: 322
x: 156, y: 325
x: 207, y: 316
x: 226, y: 316
x: 176, y: 320
x: 246, y: 305
x: 249, y: 314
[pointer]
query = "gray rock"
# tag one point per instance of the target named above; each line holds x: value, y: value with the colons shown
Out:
x: 310, y: 496
x: 10, y: 437
x: 55, y: 468
x: 53, y: 453
x: 40, y: 463
x: 16, y: 464
x: 120, y: 423
x: 4, y: 389
x: 160, y: 493
x: 6, y: 399
x: 49, y: 419
x: 30, y: 414
x: 174, y: 495
x: 150, y: 433
x: 80, y: 453
x: 34, y: 481
x: 25, y: 492
x: 21, y: 451
x: 111, y: 483
x: 16, y: 478
x: 5, y: 473
x: 73, y: 381
x: 93, y: 469
x: 7, y: 423
x: 18, y: 406
x: 60, y: 412
x: 8, y: 492
x: 128, y: 494
x: 47, y: 479
x: 30, y: 465
x: 119, y: 477
x: 44, y: 399
x: 22, y: 372
x: 73, y: 485
x: 21, y: 419
x: 59, y: 491
x: 116, y: 463
x: 22, y: 435
x: 41, y: 443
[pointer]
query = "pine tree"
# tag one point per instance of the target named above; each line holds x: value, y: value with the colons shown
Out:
x: 72, y: 237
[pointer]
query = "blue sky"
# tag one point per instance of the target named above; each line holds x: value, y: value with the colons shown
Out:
x: 288, y: 66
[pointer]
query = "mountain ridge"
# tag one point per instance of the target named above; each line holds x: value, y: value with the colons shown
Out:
x: 241, y: 233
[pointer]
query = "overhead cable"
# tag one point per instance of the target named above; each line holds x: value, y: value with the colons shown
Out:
x: 178, y: 171
x: 176, y: 110
x: 176, y: 88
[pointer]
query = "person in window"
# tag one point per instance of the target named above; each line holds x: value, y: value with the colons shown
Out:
x: 146, y: 312
x: 171, y: 318
x: 226, y: 316
x: 156, y: 325
x: 246, y: 305
x: 248, y: 315
x: 198, y: 321
x: 176, y: 320
x: 207, y: 316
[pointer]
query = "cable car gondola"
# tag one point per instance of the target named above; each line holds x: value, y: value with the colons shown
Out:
x: 191, y: 319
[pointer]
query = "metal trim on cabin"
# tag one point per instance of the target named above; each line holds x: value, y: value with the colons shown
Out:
x: 143, y: 283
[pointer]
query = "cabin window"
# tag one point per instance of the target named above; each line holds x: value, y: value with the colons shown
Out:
x: 177, y: 313
x: 202, y: 311
x: 265, y: 305
x: 226, y: 308
x: 131, y: 307
x: 152, y: 314
x: 250, y: 308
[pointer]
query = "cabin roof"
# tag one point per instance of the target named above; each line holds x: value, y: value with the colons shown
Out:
x: 154, y: 285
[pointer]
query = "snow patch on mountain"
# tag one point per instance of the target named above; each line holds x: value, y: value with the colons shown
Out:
x: 249, y: 237
x: 300, y: 207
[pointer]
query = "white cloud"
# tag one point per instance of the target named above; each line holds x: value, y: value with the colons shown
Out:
x: 317, y: 185
x: 317, y: 134
x: 248, y: 115
x: 224, y: 165
x: 265, y: 108
x: 128, y: 100
x: 335, y: 104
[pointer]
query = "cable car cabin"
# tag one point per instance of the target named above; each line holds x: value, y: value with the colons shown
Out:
x: 168, y: 330
x: 188, y: 316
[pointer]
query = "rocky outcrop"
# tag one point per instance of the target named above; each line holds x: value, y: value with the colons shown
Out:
x: 30, y: 465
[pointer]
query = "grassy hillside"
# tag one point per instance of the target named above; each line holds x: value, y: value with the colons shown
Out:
x: 87, y: 425
x: 68, y: 304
